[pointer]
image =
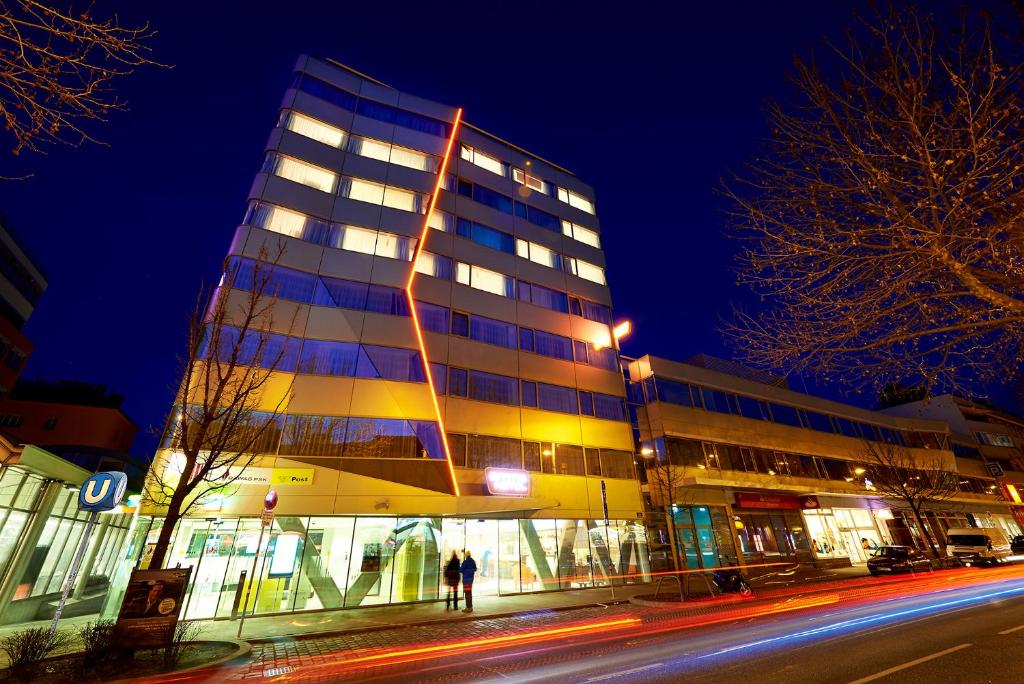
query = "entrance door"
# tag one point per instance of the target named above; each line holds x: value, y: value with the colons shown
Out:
x: 482, y: 543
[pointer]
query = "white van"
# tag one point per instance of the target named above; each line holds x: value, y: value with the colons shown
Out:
x: 977, y: 545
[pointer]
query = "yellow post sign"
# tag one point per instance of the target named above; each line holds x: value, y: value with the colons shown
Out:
x: 292, y: 476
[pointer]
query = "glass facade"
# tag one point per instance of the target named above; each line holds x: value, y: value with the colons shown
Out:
x: 45, y: 570
x: 778, y: 536
x: 330, y: 562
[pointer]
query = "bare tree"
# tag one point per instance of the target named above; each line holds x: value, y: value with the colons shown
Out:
x: 57, y: 70
x: 664, y: 480
x: 910, y: 480
x: 884, y: 224
x: 226, y: 412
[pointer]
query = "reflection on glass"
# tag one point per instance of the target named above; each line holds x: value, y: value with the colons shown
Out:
x: 538, y: 542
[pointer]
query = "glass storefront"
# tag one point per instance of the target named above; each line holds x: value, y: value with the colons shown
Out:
x: 703, y: 536
x: 843, y: 533
x: 772, y: 537
x: 44, y: 570
x: 321, y: 563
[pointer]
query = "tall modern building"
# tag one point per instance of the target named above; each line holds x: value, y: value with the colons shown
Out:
x: 453, y: 382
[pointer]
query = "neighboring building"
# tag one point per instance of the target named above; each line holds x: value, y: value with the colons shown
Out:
x: 510, y: 295
x: 40, y: 528
x: 981, y: 434
x: 21, y: 284
x: 80, y: 422
x: 762, y: 473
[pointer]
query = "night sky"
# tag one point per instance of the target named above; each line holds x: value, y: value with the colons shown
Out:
x: 650, y: 108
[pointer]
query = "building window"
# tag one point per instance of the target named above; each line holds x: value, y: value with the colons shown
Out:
x: 575, y: 200
x: 484, y: 161
x: 587, y: 271
x: 532, y: 182
x: 460, y: 324
x: 457, y: 448
x: 526, y: 339
x: 10, y: 420
x: 484, y: 235
x: 434, y: 265
x: 484, y: 279
x: 458, y: 385
x: 529, y: 391
x: 581, y: 234
x: 494, y: 452
x: 531, y: 456
x: 995, y: 439
x: 441, y: 220
x: 300, y: 172
x: 580, y: 351
x: 586, y: 403
x: 311, y: 128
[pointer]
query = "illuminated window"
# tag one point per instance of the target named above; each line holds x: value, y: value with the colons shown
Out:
x: 394, y: 246
x: 484, y: 161
x: 594, y: 274
x: 581, y: 234
x: 434, y: 265
x: 389, y: 196
x: 574, y: 200
x: 538, y: 254
x: 366, y: 147
x: 283, y: 221
x: 317, y: 130
x: 404, y: 200
x: 362, y: 190
x: 532, y: 182
x: 359, y: 240
x: 413, y: 159
x: 301, y: 172
x: 441, y: 220
x: 484, y: 279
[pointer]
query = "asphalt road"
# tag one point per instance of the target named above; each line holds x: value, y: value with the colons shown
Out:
x: 963, y: 634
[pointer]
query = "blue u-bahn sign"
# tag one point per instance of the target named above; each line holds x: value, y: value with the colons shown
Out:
x: 102, y: 491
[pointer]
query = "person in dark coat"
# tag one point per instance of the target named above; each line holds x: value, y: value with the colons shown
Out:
x: 452, y: 572
x: 468, y: 571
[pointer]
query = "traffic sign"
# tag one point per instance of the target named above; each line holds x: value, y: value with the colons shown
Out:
x: 102, y: 491
x: 994, y: 468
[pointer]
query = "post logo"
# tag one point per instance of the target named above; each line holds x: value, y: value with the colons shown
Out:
x: 102, y: 491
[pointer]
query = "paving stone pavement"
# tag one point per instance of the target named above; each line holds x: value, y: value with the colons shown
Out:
x: 284, y: 655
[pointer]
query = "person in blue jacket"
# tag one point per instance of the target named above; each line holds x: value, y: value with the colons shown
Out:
x: 468, y: 572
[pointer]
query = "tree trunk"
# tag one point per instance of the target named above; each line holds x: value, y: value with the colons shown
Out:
x: 924, y: 531
x: 671, y: 529
x: 171, y: 519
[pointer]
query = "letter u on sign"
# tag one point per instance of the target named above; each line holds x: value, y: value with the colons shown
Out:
x: 102, y: 491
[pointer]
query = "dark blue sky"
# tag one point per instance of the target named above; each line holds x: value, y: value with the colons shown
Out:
x: 650, y: 104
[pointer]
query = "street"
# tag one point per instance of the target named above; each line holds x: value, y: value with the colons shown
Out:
x: 968, y: 624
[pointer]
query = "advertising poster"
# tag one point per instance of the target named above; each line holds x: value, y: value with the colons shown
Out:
x: 152, y: 603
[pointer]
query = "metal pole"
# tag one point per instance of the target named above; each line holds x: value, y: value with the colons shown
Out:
x: 73, y: 572
x: 608, y: 539
x: 248, y: 589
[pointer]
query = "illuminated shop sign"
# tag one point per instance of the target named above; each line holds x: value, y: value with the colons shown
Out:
x: 507, y: 481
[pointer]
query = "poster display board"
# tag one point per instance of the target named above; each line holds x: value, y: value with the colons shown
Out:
x: 151, y: 606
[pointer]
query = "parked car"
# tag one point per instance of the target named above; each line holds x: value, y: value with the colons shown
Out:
x: 1017, y: 544
x: 977, y: 545
x: 891, y: 559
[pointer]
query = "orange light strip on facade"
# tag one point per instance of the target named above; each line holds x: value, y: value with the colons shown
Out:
x: 412, y: 302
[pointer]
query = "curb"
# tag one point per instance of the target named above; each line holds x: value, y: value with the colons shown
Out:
x: 428, y: 623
